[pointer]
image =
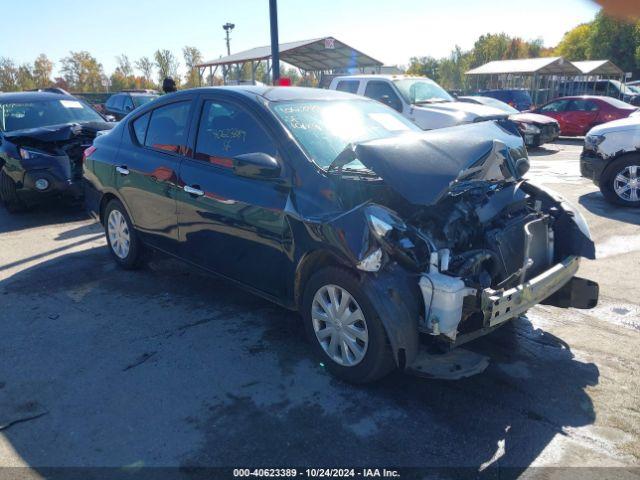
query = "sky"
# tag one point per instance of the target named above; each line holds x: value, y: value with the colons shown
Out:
x: 391, y: 31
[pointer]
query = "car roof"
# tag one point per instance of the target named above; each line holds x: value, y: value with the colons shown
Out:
x: 33, y: 96
x: 275, y: 94
x: 379, y: 77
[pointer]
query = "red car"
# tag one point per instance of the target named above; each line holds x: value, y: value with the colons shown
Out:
x: 577, y: 115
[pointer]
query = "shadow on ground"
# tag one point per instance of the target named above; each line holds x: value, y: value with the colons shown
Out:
x: 168, y: 367
x: 596, y: 204
x: 46, y: 214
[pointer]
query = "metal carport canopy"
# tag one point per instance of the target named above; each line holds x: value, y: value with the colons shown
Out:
x: 527, y: 66
x: 318, y: 54
x: 599, y: 67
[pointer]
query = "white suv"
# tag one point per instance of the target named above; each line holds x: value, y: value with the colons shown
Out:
x: 420, y: 99
x: 611, y: 158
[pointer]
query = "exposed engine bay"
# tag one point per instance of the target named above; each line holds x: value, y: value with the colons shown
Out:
x: 483, y: 244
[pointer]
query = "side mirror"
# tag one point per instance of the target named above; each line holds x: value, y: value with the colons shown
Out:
x: 128, y: 108
x: 110, y: 118
x: 256, y: 165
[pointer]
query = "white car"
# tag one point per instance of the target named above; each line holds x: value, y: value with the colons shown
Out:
x: 419, y: 99
x: 611, y: 159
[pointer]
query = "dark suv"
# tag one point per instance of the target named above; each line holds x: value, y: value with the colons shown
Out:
x: 120, y: 104
x: 517, y: 98
x: 338, y: 207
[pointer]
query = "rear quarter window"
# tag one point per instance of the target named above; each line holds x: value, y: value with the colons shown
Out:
x: 140, y: 125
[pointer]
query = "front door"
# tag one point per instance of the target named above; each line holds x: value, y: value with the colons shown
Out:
x: 230, y: 224
x: 580, y: 116
x: 147, y: 172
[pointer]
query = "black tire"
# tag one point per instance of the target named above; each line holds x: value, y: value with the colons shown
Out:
x: 133, y: 258
x: 608, y: 180
x: 9, y: 194
x: 378, y: 360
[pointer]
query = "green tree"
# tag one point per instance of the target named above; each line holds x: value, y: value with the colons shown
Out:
x: 424, y: 67
x: 42, y: 70
x: 8, y: 75
x: 25, y: 77
x: 167, y: 65
x: 82, y: 72
x: 615, y: 40
x: 192, y: 57
x: 575, y: 44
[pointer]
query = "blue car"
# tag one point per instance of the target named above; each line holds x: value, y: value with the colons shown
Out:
x: 516, y: 97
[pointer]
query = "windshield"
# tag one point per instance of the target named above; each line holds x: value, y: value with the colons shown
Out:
x: 422, y: 90
x: 325, y: 128
x: 23, y: 115
x: 622, y: 87
x: 492, y: 102
x: 139, y: 100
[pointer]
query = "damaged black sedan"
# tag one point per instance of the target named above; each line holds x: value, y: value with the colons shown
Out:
x: 42, y: 139
x: 382, y: 236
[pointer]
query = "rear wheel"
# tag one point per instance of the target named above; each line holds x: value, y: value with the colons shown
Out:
x: 620, y: 182
x: 9, y: 194
x: 121, y: 236
x: 344, y: 327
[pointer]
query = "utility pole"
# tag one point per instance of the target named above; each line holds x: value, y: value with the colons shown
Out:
x: 227, y: 28
x: 275, y: 47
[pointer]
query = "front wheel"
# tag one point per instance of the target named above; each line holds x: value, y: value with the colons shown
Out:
x: 9, y: 194
x: 121, y: 236
x: 620, y: 182
x: 344, y: 327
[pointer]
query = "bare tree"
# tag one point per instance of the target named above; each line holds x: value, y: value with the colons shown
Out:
x: 192, y: 57
x: 145, y: 65
x: 124, y: 66
x: 167, y: 65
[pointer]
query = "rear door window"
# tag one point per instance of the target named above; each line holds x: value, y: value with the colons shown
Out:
x: 350, y: 86
x: 167, y: 129
x: 582, y: 106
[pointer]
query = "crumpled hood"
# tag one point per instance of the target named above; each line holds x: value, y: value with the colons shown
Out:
x: 532, y: 118
x: 58, y: 133
x: 423, y: 167
x: 471, y: 111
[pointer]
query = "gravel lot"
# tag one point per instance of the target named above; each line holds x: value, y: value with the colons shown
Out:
x: 168, y: 367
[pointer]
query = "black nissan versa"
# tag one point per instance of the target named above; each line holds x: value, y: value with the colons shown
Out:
x: 42, y: 139
x: 338, y: 207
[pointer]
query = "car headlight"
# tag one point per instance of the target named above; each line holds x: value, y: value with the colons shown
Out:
x: 593, y: 140
x: 528, y: 128
x: 382, y: 221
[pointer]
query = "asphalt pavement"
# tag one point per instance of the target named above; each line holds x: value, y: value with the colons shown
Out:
x: 168, y: 367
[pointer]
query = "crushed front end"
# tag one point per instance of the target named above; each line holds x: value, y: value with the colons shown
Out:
x: 47, y: 161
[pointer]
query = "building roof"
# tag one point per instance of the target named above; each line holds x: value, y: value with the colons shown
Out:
x: 599, y: 67
x: 544, y: 65
x: 324, y: 53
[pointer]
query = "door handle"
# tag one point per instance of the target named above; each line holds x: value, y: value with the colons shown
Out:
x: 193, y: 190
x: 122, y: 170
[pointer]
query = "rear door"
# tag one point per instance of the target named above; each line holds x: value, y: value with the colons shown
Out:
x: 147, y: 171
x: 580, y: 115
x: 230, y: 224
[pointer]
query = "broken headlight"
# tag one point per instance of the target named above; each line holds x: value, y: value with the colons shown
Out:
x: 383, y: 221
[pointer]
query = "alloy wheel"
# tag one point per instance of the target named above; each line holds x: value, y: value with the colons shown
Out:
x: 626, y: 184
x: 119, y: 236
x: 339, y: 325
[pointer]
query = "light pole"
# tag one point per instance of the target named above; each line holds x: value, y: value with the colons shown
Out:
x: 227, y: 28
x: 275, y: 47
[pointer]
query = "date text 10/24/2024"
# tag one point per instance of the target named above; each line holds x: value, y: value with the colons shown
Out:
x: 316, y: 472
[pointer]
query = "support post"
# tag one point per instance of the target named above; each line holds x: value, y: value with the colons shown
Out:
x: 275, y: 46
